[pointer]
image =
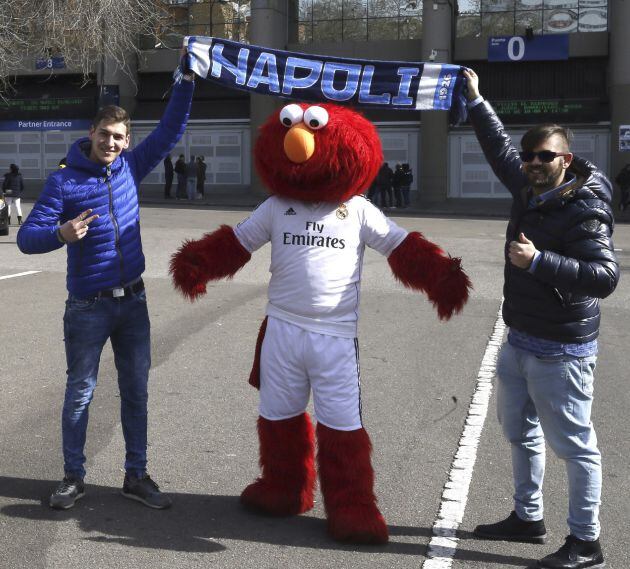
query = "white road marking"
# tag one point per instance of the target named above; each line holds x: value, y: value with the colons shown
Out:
x: 19, y: 275
x: 443, y: 544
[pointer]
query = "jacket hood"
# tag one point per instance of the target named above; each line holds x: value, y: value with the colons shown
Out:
x: 591, y: 180
x: 78, y: 158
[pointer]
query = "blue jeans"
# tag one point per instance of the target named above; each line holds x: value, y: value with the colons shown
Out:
x: 405, y: 195
x: 88, y: 323
x: 191, y: 188
x: 550, y: 398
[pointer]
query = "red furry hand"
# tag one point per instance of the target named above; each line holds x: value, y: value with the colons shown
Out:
x: 450, y: 288
x: 188, y: 270
x: 421, y: 265
x: 217, y: 255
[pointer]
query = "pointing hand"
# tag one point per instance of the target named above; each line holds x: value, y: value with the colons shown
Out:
x: 77, y: 228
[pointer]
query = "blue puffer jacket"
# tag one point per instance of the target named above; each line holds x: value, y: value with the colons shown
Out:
x: 560, y: 299
x: 111, y: 253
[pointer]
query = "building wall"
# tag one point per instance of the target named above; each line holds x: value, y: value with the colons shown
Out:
x: 471, y: 176
x: 222, y: 126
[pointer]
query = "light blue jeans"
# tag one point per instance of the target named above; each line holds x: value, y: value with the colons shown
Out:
x: 191, y: 188
x: 550, y: 398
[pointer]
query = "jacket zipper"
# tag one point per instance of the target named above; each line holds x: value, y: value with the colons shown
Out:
x: 108, y: 173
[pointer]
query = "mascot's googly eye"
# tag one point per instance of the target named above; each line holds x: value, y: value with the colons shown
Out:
x: 316, y: 117
x: 291, y: 114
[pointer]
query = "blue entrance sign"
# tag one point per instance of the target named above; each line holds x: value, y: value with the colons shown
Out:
x: 519, y: 48
x: 56, y: 124
x: 50, y: 63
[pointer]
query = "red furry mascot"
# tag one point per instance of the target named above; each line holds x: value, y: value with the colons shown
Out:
x: 316, y: 161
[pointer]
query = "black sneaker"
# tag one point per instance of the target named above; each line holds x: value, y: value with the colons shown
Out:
x: 513, y: 529
x: 575, y: 554
x: 145, y: 490
x: 67, y: 493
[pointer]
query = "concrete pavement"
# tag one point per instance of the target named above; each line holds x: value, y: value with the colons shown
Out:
x: 418, y: 379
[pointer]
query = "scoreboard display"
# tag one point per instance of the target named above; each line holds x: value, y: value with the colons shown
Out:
x: 46, y: 107
x: 557, y: 110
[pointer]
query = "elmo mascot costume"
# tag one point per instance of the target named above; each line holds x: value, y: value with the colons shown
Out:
x: 316, y: 161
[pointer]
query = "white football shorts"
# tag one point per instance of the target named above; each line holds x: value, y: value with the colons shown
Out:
x: 293, y: 361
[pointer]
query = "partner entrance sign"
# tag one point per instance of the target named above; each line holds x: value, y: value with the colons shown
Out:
x: 55, y: 124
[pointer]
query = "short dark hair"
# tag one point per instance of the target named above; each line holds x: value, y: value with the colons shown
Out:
x: 538, y: 134
x: 110, y: 114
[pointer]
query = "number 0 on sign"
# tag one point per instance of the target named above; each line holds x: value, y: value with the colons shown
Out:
x: 516, y: 48
x: 537, y: 48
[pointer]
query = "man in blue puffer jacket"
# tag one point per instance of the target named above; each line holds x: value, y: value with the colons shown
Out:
x: 559, y: 262
x: 91, y: 207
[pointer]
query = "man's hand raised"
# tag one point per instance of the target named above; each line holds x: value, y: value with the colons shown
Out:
x: 472, y: 84
x: 77, y: 228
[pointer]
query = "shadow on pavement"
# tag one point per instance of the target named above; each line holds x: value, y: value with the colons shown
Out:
x: 197, y: 523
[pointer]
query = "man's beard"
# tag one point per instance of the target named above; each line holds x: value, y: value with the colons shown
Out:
x: 543, y: 176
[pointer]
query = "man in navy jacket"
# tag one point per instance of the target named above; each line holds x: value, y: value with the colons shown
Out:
x: 559, y: 262
x: 91, y: 207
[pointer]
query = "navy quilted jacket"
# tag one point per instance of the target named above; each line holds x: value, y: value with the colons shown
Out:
x: 560, y: 299
x: 110, y: 255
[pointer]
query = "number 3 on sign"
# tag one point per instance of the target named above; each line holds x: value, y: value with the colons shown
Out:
x: 516, y: 48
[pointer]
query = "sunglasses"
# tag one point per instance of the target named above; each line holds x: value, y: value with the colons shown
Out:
x: 544, y: 155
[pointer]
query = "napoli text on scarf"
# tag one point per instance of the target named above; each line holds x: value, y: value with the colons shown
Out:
x: 298, y: 76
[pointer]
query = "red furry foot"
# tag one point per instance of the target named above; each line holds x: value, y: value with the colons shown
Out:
x: 287, y: 483
x: 360, y: 523
x: 347, y: 482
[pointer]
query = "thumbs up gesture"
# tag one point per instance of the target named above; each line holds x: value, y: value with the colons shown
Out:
x: 521, y: 252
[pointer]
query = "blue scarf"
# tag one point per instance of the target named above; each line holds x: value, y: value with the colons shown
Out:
x: 400, y: 85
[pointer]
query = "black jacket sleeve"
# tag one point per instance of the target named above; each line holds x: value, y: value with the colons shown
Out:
x: 589, y: 266
x: 497, y: 147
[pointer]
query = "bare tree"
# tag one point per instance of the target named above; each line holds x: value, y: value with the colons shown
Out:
x: 84, y: 32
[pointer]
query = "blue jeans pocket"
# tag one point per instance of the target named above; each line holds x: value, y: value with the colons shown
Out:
x: 74, y: 303
x: 580, y: 388
x: 587, y: 369
x: 141, y: 296
x: 553, y: 359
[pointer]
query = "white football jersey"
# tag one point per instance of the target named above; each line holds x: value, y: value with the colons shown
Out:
x: 316, y: 258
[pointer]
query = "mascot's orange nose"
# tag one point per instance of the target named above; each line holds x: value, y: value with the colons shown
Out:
x: 299, y: 143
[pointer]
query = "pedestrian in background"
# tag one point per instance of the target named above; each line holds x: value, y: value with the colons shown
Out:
x: 384, y: 183
x: 623, y: 181
x: 373, y: 193
x: 201, y: 177
x: 397, y: 180
x: 559, y: 262
x: 13, y: 187
x: 106, y: 299
x: 168, y: 177
x: 405, y: 185
x: 191, y: 179
x: 180, y: 170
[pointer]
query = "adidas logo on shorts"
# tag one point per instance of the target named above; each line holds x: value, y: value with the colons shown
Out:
x: 290, y: 211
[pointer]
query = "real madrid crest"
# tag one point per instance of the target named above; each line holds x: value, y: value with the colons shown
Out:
x: 342, y: 211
